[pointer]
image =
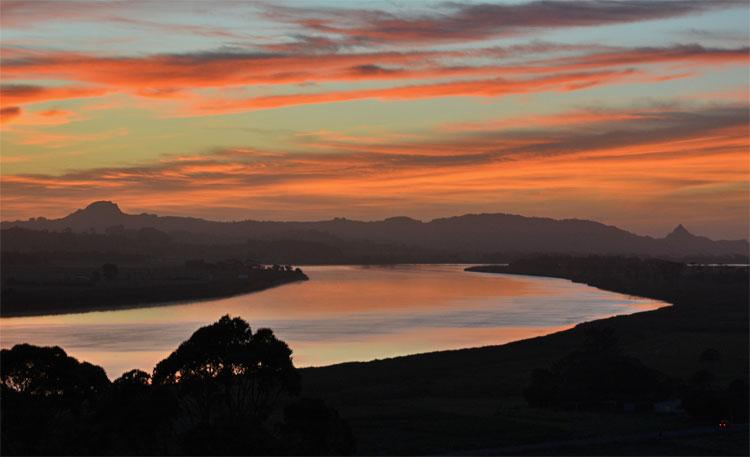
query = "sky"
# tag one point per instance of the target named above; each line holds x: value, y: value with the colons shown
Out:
x: 632, y: 112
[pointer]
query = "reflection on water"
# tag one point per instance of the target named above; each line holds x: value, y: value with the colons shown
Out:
x: 343, y: 313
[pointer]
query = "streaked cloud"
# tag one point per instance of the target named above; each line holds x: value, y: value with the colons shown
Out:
x: 9, y: 113
x: 18, y: 94
x: 638, y: 156
x: 455, y: 21
x: 178, y: 76
x: 612, y: 110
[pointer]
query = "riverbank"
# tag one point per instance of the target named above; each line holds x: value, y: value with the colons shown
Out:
x: 674, y: 282
x: 33, y: 298
x: 472, y: 399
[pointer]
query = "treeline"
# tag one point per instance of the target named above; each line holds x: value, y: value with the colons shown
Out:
x: 49, y: 272
x: 675, y: 282
x: 29, y: 290
x: 225, y: 391
x: 148, y: 245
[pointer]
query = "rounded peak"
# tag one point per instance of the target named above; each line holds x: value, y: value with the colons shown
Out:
x: 401, y: 220
x: 103, y: 206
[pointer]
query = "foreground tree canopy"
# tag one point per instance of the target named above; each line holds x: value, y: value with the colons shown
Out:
x: 225, y: 391
x: 227, y: 363
x: 49, y: 372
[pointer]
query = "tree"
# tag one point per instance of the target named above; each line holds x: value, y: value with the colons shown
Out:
x: 214, y: 395
x: 133, y: 379
x: 50, y: 372
x: 226, y: 368
x: 135, y: 418
x: 45, y: 395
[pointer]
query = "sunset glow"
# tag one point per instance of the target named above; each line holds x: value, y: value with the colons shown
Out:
x: 228, y: 110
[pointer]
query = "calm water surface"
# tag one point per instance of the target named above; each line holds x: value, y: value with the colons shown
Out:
x: 343, y: 313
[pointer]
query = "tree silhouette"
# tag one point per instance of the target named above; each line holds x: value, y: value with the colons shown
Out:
x: 136, y: 418
x: 133, y: 379
x: 45, y: 392
x: 225, y: 363
x: 215, y: 395
x: 49, y: 372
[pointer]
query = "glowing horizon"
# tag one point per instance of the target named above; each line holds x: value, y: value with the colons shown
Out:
x: 632, y: 113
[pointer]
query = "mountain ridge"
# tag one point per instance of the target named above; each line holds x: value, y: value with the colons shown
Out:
x: 475, y: 233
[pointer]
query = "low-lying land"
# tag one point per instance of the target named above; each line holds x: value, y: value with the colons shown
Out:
x: 651, y: 383
x: 675, y: 282
x: 472, y: 400
x: 54, y: 289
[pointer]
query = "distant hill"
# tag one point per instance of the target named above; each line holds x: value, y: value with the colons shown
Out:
x: 468, y: 236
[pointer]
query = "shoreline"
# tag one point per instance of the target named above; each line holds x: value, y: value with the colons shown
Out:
x: 478, y: 392
x: 675, y: 283
x: 144, y: 297
x: 398, y: 405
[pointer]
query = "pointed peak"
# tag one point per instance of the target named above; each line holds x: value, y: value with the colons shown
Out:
x: 680, y: 232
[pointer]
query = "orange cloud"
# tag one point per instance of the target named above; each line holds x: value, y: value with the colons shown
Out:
x: 9, y: 113
x: 665, y: 158
x: 58, y: 140
x: 176, y: 76
x: 21, y: 94
x: 236, y: 69
x: 475, y: 88
x: 568, y: 118
x: 46, y: 117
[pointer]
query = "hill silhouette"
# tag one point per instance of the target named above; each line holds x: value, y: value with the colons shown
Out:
x: 468, y: 236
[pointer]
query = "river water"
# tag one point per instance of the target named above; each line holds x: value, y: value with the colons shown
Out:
x: 344, y: 313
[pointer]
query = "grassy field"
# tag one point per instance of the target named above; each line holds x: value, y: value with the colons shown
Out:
x: 471, y: 399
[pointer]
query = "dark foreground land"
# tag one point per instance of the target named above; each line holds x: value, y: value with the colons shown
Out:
x: 652, y: 383
x: 472, y: 401
x: 55, y: 289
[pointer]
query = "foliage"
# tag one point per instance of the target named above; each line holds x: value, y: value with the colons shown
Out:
x: 219, y: 393
x: 46, y: 397
x: 225, y: 363
x: 49, y: 372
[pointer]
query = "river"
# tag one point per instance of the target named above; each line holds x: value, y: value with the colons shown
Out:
x: 344, y: 313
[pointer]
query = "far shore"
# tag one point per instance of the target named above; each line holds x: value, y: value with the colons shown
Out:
x: 22, y: 300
